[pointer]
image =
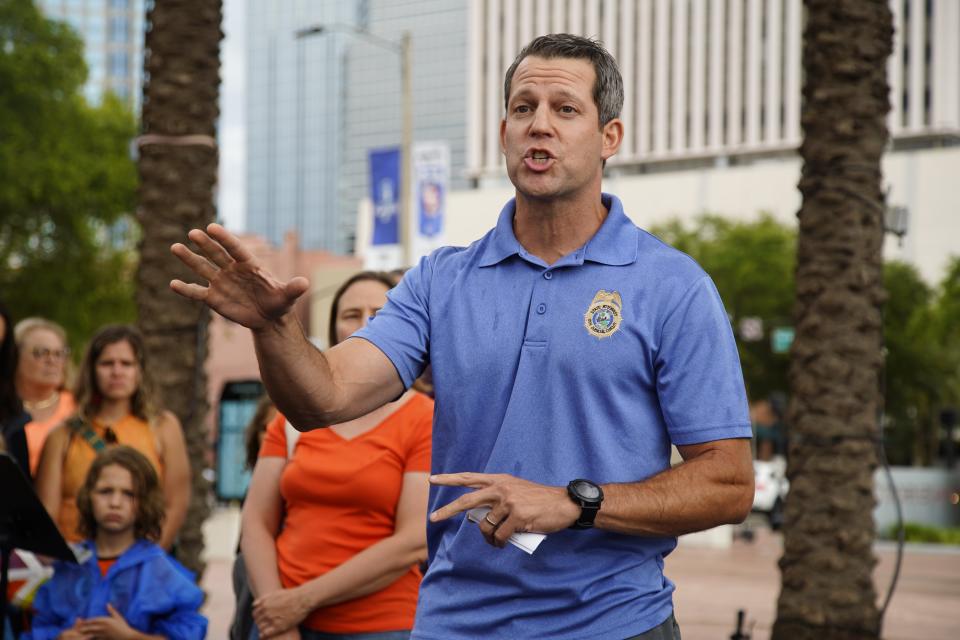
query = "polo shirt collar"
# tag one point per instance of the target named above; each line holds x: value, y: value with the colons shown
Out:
x: 614, y: 243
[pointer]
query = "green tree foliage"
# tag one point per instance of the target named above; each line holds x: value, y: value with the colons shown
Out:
x: 922, y: 373
x: 752, y: 264
x: 67, y: 181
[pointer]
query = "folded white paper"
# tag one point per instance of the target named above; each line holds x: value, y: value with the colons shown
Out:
x: 525, y: 541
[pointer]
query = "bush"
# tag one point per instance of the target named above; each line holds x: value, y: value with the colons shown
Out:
x: 915, y: 532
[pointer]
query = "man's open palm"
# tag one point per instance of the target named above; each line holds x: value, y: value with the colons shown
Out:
x: 239, y: 288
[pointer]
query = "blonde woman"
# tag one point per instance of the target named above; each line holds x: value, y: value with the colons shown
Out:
x: 115, y: 406
x: 41, y: 379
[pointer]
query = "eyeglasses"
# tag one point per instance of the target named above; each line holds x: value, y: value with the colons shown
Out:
x: 41, y: 353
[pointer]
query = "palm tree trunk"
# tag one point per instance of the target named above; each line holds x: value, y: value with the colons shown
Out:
x: 178, y: 171
x: 827, y: 564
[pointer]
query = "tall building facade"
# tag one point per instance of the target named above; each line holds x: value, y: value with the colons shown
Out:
x: 709, y: 79
x: 295, y: 118
x: 712, y: 111
x: 113, y: 34
x: 318, y: 104
x: 438, y: 32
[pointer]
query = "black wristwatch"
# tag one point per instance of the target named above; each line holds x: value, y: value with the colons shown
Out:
x: 588, y: 495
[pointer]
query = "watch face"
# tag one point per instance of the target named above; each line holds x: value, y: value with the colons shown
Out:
x: 587, y: 490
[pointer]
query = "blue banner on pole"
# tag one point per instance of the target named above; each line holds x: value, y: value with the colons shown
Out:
x: 385, y: 195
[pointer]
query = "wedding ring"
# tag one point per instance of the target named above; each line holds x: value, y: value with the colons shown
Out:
x: 491, y: 522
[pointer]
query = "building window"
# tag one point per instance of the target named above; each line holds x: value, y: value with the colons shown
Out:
x: 118, y: 29
x: 118, y: 64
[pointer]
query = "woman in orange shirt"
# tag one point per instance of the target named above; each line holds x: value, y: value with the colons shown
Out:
x: 116, y: 406
x: 333, y: 536
x: 40, y: 380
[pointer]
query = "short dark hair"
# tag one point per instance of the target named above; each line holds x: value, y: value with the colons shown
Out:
x: 608, y: 86
x: 146, y: 488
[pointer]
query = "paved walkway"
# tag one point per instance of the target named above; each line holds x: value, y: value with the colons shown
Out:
x: 713, y: 583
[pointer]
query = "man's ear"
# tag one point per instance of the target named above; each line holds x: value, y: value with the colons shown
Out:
x: 612, y: 133
x: 503, y: 136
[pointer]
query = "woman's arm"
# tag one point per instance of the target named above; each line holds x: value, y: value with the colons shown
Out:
x: 176, y: 477
x: 49, y: 479
x: 371, y: 570
x: 260, y: 524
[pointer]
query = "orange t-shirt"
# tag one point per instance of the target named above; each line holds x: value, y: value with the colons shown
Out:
x: 105, y: 564
x: 340, y: 497
x: 37, y: 431
x: 129, y: 430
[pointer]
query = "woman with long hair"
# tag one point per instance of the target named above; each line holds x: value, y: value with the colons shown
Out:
x: 116, y: 405
x: 41, y: 380
x: 334, y: 524
x: 13, y: 419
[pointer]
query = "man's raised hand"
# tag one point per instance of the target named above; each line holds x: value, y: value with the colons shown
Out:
x: 238, y: 288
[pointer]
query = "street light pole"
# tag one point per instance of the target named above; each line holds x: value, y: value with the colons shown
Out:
x: 406, y: 152
x: 405, y: 50
x: 300, y: 216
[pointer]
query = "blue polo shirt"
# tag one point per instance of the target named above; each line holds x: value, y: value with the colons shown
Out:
x: 587, y: 368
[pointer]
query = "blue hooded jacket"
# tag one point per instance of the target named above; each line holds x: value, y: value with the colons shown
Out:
x: 152, y: 591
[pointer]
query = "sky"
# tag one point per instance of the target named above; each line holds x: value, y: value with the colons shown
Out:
x: 231, y: 193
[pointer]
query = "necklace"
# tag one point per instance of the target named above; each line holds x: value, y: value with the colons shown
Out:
x: 40, y: 405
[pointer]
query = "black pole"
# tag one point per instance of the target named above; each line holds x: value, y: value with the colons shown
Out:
x: 948, y: 418
x: 739, y: 633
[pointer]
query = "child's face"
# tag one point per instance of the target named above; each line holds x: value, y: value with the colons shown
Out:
x: 118, y: 373
x: 114, y: 500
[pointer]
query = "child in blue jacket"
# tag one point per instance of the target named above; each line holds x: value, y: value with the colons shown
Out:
x: 128, y: 589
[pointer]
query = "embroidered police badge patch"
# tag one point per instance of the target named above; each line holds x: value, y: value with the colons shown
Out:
x: 604, y: 316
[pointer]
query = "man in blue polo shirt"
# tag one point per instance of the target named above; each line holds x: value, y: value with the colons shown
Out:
x: 570, y: 349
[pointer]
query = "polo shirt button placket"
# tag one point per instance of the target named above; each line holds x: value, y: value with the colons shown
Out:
x: 548, y: 275
x: 541, y: 308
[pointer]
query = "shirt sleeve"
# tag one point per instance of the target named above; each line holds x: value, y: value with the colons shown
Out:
x: 418, y: 452
x: 401, y: 329
x: 699, y: 380
x: 275, y: 439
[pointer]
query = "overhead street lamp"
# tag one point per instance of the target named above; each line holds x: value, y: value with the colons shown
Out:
x: 404, y: 50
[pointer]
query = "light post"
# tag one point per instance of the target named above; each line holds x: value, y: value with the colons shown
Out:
x: 896, y: 219
x: 404, y: 50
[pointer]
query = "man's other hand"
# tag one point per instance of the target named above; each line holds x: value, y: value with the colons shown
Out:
x: 238, y: 288
x: 516, y: 505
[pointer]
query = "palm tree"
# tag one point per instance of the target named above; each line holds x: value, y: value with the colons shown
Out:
x: 178, y: 171
x: 827, y: 564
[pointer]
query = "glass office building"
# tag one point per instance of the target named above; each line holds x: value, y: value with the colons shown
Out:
x: 112, y: 32
x: 317, y: 105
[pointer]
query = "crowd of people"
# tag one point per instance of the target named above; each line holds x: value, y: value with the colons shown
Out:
x: 566, y: 351
x: 111, y: 470
x: 110, y: 467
